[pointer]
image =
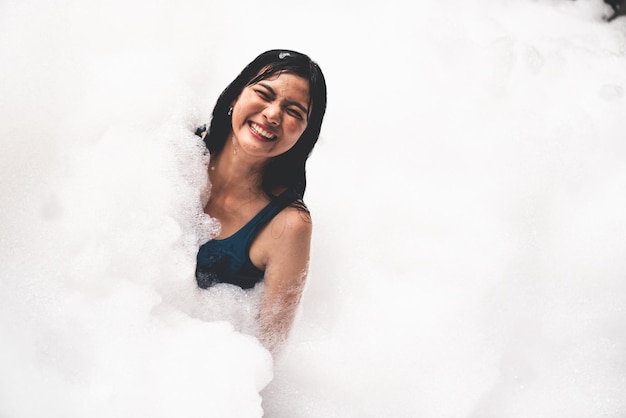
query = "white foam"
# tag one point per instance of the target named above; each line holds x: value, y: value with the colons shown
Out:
x: 467, y: 195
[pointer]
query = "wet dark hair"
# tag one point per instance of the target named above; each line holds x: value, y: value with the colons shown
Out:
x: 288, y: 169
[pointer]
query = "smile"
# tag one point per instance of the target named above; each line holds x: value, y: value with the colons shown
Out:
x: 262, y: 132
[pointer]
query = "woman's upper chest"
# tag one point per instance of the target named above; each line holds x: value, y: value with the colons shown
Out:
x: 232, y: 213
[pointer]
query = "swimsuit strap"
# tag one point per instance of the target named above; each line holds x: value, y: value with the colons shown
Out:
x: 252, y: 228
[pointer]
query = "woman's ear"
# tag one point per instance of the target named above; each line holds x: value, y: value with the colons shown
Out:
x: 232, y: 105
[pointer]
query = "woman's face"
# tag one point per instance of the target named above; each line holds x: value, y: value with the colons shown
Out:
x: 269, y: 117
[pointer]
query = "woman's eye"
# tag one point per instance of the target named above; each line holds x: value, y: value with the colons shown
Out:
x: 263, y: 95
x: 294, y: 113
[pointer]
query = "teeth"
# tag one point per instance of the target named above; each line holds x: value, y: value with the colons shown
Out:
x: 261, y: 131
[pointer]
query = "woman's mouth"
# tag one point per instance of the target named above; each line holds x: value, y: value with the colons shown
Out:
x: 262, y: 133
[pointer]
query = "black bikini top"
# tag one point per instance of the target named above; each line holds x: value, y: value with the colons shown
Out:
x: 228, y: 260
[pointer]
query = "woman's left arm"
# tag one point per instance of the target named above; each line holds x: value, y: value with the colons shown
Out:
x: 285, y: 275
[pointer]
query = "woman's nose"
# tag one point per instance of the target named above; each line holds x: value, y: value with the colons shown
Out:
x: 273, y: 114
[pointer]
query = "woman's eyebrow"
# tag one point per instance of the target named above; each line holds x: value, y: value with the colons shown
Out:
x: 290, y: 102
x: 271, y: 90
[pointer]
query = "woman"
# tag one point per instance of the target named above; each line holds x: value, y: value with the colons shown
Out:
x: 263, y: 128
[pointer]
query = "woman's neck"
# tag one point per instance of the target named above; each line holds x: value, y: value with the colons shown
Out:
x: 232, y: 174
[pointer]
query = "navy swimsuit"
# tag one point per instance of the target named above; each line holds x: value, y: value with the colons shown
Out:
x: 228, y: 260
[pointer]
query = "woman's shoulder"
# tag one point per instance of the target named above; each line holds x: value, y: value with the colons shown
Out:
x: 294, y: 220
x: 285, y: 240
x: 287, y: 234
x: 291, y: 198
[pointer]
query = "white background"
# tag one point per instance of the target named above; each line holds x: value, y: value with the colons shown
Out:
x: 468, y: 195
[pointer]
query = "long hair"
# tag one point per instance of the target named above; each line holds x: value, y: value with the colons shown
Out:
x: 288, y: 169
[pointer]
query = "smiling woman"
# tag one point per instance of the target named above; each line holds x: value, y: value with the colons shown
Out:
x: 263, y: 129
x: 272, y: 109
